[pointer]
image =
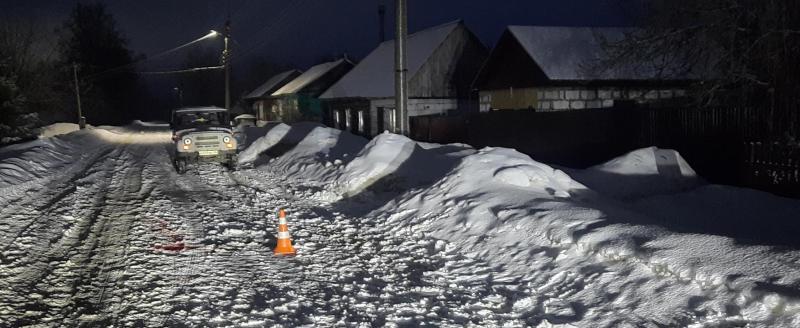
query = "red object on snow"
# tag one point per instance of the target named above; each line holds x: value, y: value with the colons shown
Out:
x: 174, y: 247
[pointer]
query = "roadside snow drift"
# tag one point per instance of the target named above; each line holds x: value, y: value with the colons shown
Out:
x: 642, y: 172
x: 33, y: 163
x: 587, y: 251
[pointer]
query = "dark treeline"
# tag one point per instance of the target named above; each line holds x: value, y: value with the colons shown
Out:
x: 739, y: 52
x: 36, y: 75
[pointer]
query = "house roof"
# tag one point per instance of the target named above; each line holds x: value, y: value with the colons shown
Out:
x: 311, y: 75
x: 373, y: 77
x: 206, y: 109
x: 272, y: 84
x: 568, y: 53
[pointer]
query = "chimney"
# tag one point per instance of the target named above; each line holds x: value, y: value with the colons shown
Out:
x: 382, y: 22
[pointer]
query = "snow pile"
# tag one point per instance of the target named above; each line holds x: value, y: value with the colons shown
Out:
x: 392, y: 162
x: 307, y: 151
x: 751, y: 216
x: 34, y: 162
x: 588, y: 260
x: 27, y: 163
x: 642, y: 172
x: 57, y: 129
x: 263, y: 143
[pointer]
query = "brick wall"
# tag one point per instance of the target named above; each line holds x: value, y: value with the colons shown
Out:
x: 551, y: 99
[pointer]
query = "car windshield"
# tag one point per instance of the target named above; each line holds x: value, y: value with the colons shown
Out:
x: 200, y: 119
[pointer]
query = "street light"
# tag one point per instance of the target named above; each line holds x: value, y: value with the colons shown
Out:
x: 226, y: 58
x: 226, y: 61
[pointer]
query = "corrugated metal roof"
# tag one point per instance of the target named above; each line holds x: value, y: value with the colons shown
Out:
x: 268, y: 87
x: 373, y: 77
x: 571, y: 53
x: 311, y: 75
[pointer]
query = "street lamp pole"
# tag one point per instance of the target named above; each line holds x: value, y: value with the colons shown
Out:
x: 81, y: 119
x: 226, y: 57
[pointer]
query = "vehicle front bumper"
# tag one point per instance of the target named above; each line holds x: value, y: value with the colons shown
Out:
x: 221, y: 157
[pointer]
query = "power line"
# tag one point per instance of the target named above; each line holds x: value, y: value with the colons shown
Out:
x: 159, y: 55
x: 188, y: 70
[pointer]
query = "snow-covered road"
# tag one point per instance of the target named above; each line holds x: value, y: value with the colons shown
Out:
x: 97, y: 229
x: 119, y: 238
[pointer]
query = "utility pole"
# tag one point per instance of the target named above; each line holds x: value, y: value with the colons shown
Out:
x: 226, y: 57
x: 400, y: 82
x: 179, y: 93
x: 81, y: 119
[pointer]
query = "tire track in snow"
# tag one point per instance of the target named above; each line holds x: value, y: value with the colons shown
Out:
x: 61, y: 277
x: 349, y: 270
x: 58, y: 188
x: 48, y: 241
x: 108, y: 245
x: 386, y: 274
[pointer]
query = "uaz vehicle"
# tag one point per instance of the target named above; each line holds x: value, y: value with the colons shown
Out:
x: 202, y: 134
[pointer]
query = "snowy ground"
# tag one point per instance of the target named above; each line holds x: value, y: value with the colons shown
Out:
x: 96, y: 228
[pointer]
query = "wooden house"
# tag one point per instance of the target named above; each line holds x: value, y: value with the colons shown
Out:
x: 260, y: 100
x: 442, y: 63
x: 299, y: 100
x: 546, y: 68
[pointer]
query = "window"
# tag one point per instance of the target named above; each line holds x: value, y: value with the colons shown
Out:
x: 347, y: 118
x: 361, y: 121
x: 337, y: 119
x: 392, y: 120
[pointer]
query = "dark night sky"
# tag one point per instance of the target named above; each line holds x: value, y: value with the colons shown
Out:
x: 300, y: 32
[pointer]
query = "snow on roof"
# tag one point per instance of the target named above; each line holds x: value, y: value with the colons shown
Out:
x: 270, y: 85
x: 373, y: 77
x: 201, y: 109
x: 311, y: 75
x: 566, y: 53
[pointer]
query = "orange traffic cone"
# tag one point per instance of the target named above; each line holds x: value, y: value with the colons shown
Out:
x: 284, y: 237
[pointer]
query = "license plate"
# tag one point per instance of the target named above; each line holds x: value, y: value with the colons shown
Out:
x: 208, y: 152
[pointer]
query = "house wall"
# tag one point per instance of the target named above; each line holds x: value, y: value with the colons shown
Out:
x: 546, y: 99
x: 416, y: 107
x: 290, y: 109
x: 263, y: 109
x: 284, y: 109
x: 341, y: 107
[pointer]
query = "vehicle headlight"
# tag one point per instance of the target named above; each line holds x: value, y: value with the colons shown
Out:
x: 187, y: 141
x: 226, y: 139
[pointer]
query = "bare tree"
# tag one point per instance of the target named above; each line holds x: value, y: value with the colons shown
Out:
x: 739, y: 51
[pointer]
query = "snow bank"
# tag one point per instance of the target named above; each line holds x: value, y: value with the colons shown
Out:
x: 592, y: 261
x: 393, y: 162
x: 27, y: 163
x: 751, y: 216
x: 58, y: 150
x: 57, y: 129
x: 643, y: 172
x: 262, y: 143
x: 307, y: 151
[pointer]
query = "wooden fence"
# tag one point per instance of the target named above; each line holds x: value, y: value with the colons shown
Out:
x: 774, y: 167
x: 710, y: 139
